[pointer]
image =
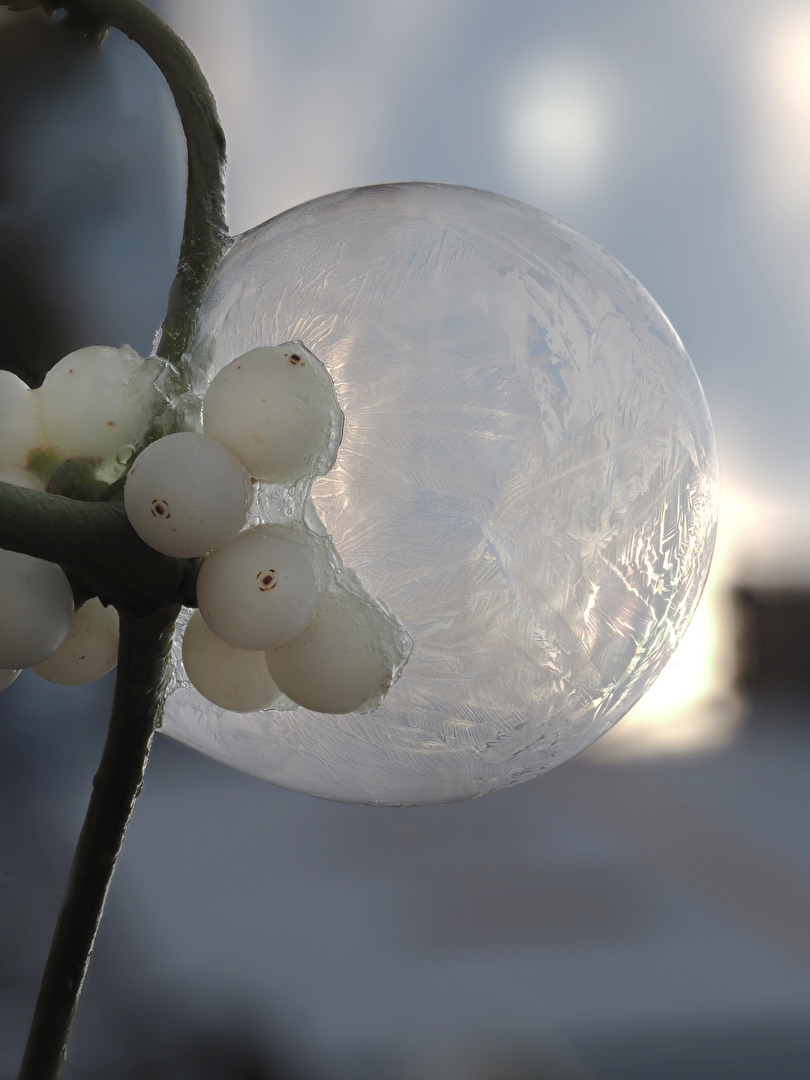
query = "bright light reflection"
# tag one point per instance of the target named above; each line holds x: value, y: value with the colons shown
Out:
x: 560, y: 123
x: 692, y: 707
x: 778, y: 146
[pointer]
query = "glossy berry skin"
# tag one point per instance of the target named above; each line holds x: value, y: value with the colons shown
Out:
x: 185, y: 494
x: 36, y: 609
x: 275, y: 408
x: 260, y: 588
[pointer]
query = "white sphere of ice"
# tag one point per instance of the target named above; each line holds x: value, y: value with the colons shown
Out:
x: 527, y: 479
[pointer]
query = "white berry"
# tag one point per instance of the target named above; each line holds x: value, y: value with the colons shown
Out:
x: 7, y: 677
x: 97, y: 400
x: 185, y: 494
x: 90, y: 649
x: 275, y: 408
x: 36, y: 609
x: 20, y: 421
x: 235, y: 679
x: 343, y: 661
x: 260, y: 588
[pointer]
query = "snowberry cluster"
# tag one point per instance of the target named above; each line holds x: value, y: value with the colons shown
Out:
x: 277, y: 620
x: 280, y: 621
x: 90, y: 413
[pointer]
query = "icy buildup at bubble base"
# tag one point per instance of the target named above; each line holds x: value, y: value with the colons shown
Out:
x: 527, y: 478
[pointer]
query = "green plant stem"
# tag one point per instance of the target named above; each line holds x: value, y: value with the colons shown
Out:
x: 139, y: 693
x: 205, y: 233
x: 96, y: 545
x: 98, y: 549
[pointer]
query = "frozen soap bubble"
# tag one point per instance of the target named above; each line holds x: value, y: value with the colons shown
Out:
x: 527, y: 480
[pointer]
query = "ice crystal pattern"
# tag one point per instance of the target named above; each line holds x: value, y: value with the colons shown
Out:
x: 527, y: 479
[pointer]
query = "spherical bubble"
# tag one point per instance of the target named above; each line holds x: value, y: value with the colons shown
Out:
x: 186, y: 494
x: 234, y: 679
x: 36, y: 609
x: 276, y: 409
x: 90, y: 649
x: 259, y: 589
x: 345, y: 659
x: 7, y: 677
x: 20, y: 421
x: 526, y: 479
x: 97, y: 399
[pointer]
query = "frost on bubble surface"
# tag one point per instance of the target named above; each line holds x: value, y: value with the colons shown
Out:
x: 526, y: 480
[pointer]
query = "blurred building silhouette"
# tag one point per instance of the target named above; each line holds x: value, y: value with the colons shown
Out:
x: 774, y: 640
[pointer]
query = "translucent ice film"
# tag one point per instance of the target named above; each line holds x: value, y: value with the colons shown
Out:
x: 526, y: 480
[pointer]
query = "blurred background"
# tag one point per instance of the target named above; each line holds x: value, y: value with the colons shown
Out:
x: 641, y: 911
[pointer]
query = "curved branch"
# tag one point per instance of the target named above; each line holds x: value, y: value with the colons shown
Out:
x: 97, y: 547
x: 205, y: 232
